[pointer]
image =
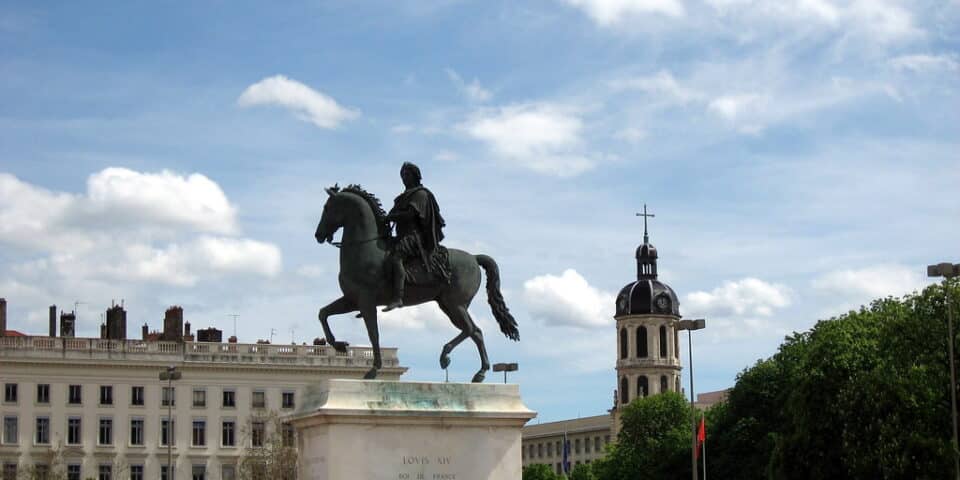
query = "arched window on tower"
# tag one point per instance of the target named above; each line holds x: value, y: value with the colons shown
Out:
x: 623, y: 343
x: 642, y: 342
x: 663, y: 341
x: 643, y: 386
x: 663, y: 383
x: 624, y: 395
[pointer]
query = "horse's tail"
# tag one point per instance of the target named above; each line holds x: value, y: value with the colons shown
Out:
x: 500, y: 311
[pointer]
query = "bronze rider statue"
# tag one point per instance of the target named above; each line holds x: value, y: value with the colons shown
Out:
x: 419, y: 231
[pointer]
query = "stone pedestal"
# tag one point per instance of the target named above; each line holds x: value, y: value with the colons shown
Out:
x: 384, y: 430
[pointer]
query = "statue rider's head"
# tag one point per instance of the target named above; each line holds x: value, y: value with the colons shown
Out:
x: 410, y: 174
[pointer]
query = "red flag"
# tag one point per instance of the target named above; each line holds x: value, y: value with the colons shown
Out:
x: 701, y: 435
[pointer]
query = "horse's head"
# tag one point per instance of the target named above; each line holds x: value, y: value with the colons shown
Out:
x: 332, y: 218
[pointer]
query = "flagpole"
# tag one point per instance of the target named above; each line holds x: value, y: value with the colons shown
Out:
x: 702, y: 415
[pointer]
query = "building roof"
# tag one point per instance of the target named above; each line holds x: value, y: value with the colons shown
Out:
x: 585, y: 424
x: 13, y: 333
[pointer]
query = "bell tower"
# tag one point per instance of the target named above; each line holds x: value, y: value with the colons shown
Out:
x: 648, y: 347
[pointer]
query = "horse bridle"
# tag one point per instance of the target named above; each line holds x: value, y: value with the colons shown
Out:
x: 357, y: 242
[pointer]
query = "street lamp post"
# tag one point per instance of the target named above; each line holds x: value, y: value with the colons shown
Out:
x: 690, y: 326
x: 170, y: 374
x: 948, y: 270
x: 505, y: 367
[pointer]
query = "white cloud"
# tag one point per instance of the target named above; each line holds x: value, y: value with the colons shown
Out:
x: 185, y: 264
x: 472, y: 90
x: 612, y: 12
x: 193, y: 201
x: 132, y: 226
x: 872, y: 20
x: 27, y: 213
x: 312, y: 271
x: 731, y: 107
x: 922, y: 63
x: 540, y: 137
x: 416, y: 317
x: 659, y: 84
x: 748, y: 296
x: 865, y: 284
x: 309, y: 104
x: 568, y: 300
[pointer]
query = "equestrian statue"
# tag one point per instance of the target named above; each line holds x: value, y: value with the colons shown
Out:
x: 410, y: 268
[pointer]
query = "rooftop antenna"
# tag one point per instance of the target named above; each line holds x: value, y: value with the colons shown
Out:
x: 234, y: 315
x: 76, y: 312
x: 273, y: 332
x: 293, y: 330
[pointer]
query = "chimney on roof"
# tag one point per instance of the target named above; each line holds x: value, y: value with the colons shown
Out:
x: 53, y: 320
x: 210, y: 335
x: 116, y: 326
x: 173, y: 324
x: 3, y: 316
x: 68, y: 322
x: 144, y: 331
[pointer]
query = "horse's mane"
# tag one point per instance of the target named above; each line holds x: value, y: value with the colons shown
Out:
x: 379, y: 215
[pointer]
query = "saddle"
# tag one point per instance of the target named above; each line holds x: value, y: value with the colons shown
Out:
x: 416, y: 272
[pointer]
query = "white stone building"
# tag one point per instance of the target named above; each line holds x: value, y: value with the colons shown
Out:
x: 101, y: 403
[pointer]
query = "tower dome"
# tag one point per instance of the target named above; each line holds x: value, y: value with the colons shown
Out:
x: 647, y: 295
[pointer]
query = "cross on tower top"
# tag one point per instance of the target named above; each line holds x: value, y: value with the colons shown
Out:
x: 646, y: 238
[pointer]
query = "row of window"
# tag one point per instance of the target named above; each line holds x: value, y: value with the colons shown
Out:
x: 105, y: 471
x: 641, y: 334
x: 554, y: 448
x: 643, y: 387
x: 105, y: 432
x: 168, y: 396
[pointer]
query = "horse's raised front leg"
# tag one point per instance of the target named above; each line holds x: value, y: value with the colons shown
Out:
x: 336, y: 307
x: 369, y: 312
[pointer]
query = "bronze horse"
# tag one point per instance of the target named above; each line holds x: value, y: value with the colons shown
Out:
x: 364, y: 285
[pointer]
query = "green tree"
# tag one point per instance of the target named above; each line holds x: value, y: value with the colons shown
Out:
x: 862, y: 395
x: 539, y: 471
x: 582, y: 472
x: 654, y: 441
x: 870, y: 396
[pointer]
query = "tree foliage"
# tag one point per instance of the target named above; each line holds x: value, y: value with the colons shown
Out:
x: 582, y: 472
x: 539, y: 471
x: 654, y: 441
x: 273, y: 456
x: 863, y: 395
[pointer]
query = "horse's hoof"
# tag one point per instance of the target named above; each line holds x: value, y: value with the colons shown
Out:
x: 372, y: 374
x: 339, y: 346
x: 478, y: 378
x: 444, y: 361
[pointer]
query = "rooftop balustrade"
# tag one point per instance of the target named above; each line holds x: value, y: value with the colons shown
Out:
x: 189, y: 352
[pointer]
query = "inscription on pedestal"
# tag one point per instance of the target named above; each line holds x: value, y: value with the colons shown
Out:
x: 425, y: 467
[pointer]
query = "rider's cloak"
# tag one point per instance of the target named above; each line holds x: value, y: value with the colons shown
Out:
x: 427, y: 223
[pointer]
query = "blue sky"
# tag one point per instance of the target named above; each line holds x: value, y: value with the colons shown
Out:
x: 801, y: 157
